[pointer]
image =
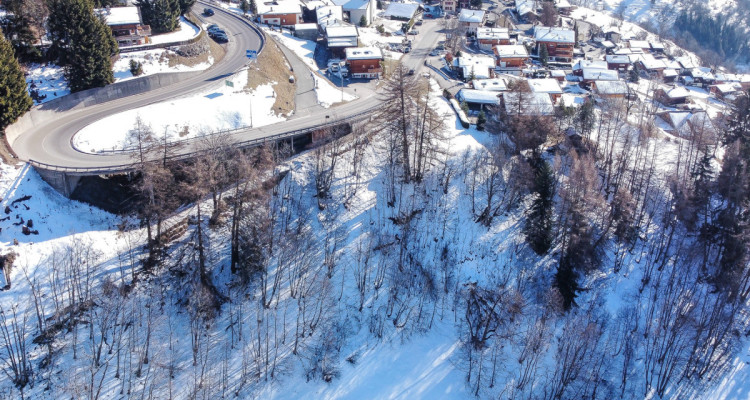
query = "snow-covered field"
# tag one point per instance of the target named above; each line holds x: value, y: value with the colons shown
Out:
x: 222, y: 108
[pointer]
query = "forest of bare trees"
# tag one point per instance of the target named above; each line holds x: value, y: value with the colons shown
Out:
x: 572, y: 266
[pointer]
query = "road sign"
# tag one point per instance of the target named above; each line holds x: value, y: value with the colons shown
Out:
x: 251, y: 54
x: 229, y: 83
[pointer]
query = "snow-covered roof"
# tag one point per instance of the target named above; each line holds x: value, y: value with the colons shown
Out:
x: 511, y: 51
x: 306, y: 27
x: 279, y: 7
x: 639, y: 44
x: 558, y: 35
x: 530, y: 103
x: 341, y: 31
x: 725, y: 88
x: 352, y: 4
x: 686, y: 62
x: 562, y: 4
x: 314, y: 4
x: 611, y: 87
x: 608, y: 45
x: 363, y: 53
x: 479, y: 96
x: 329, y: 15
x: 479, y: 65
x: 725, y: 77
x: 485, y: 33
x: 471, y: 16
x: 546, y: 85
x: 651, y: 63
x: 592, y: 74
x: 120, y: 15
x: 493, y: 85
x: 557, y: 73
x: 656, y: 45
x: 595, y: 64
x: 401, y: 10
x: 702, y: 73
x: 669, y: 73
x: 525, y: 7
x: 677, y: 92
x: 617, y: 59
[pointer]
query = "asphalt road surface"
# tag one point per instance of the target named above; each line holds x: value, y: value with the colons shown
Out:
x: 50, y: 143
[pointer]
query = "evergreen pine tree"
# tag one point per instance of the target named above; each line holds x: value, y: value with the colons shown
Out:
x: 185, y: 6
x: 543, y: 55
x: 161, y: 15
x: 14, y: 99
x: 82, y: 43
x: 244, y: 6
x: 363, y: 21
x: 253, y: 7
x: 538, y: 226
x: 481, y: 120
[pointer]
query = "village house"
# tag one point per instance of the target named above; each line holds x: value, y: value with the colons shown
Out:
x: 683, y: 122
x: 492, y: 85
x: 354, y: 10
x: 725, y: 91
x: 558, y: 41
x: 652, y: 65
x: 527, y: 103
x: 306, y: 31
x: 611, y: 89
x: 478, y: 99
x: 617, y: 62
x: 511, y: 55
x: 329, y: 16
x: 364, y: 62
x: 641, y: 45
x: 449, y: 6
x: 672, y: 96
x: 126, y: 25
x: 401, y: 11
x: 470, y: 20
x: 490, y: 37
x: 579, y: 66
x: 548, y: 86
x: 526, y: 10
x: 474, y: 66
x: 285, y: 13
x: 340, y: 37
x: 564, y: 7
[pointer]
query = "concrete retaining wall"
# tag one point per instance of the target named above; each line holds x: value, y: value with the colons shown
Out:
x: 44, y: 112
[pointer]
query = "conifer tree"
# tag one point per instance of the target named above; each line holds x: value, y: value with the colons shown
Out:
x: 161, y: 15
x: 543, y: 55
x: 82, y: 43
x: 538, y: 227
x: 14, y: 99
x: 244, y: 6
x: 185, y: 6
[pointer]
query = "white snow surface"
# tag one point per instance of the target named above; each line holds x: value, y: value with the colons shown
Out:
x: 186, y: 31
x: 219, y: 109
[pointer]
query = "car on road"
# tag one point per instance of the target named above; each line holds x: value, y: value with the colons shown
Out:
x: 208, y: 12
x: 218, y: 35
x: 414, y: 32
x: 411, y: 72
x: 419, y: 22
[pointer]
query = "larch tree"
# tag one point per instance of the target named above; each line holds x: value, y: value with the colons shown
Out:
x: 14, y: 99
x: 82, y: 43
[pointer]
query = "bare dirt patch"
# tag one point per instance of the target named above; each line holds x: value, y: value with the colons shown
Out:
x: 196, y: 53
x: 272, y: 67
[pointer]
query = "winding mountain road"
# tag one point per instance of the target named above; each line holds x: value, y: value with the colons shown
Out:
x: 48, y: 143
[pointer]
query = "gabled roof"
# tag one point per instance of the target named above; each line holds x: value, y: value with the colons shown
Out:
x: 479, y: 96
x: 546, y: 85
x: 471, y: 16
x: 617, y: 59
x: 478, y: 64
x: 591, y: 74
x: 329, y: 15
x: 686, y: 62
x: 611, y: 87
x: 651, y: 63
x: 530, y: 103
x: 352, y: 4
x: 511, y: 51
x: 525, y: 7
x: 595, y: 64
x: 677, y: 92
x: 401, y: 10
x: 558, y: 35
x: 639, y: 44
x: 341, y: 31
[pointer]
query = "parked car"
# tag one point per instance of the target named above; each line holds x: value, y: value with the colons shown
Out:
x: 208, y: 12
x: 219, y: 36
x: 414, y: 32
x: 419, y: 22
x: 411, y: 72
